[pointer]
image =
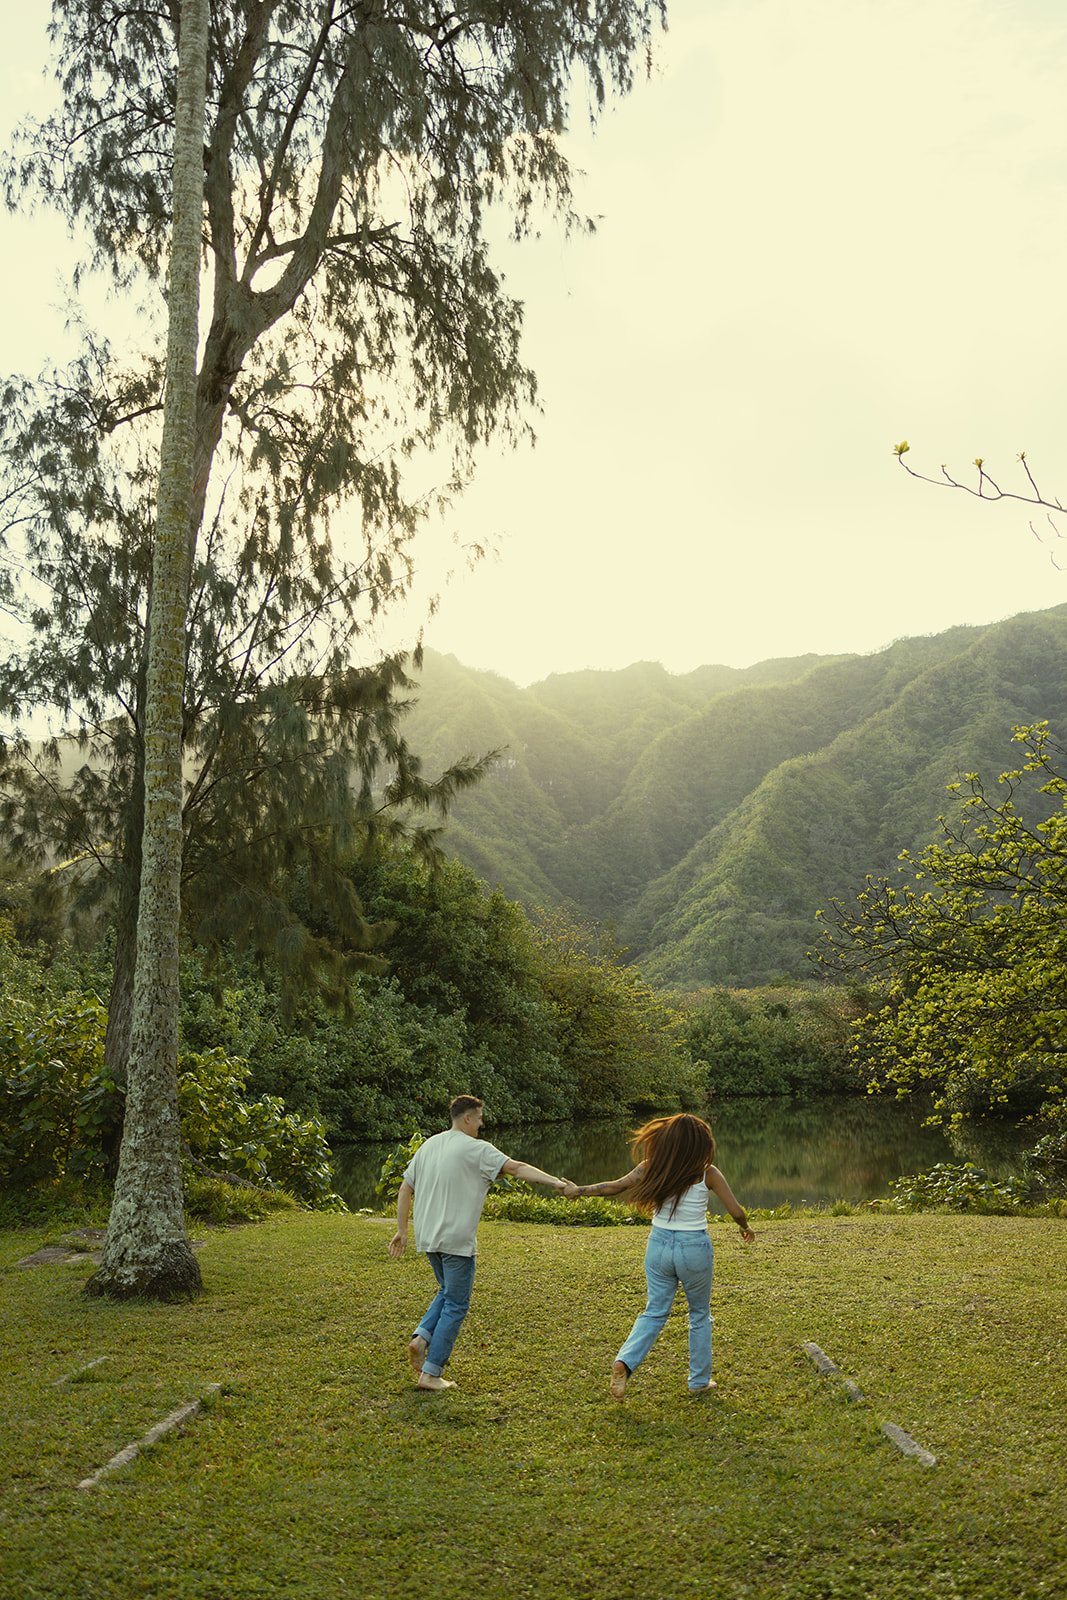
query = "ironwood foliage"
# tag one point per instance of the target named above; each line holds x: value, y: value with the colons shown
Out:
x: 352, y: 157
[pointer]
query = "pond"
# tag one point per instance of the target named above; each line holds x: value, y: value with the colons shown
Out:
x: 772, y: 1152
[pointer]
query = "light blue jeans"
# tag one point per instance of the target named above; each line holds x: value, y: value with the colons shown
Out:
x: 673, y: 1257
x: 442, y: 1322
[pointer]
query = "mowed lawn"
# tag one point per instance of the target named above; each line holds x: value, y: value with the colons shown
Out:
x: 320, y: 1471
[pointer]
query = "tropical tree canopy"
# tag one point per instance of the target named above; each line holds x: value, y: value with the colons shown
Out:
x: 971, y: 972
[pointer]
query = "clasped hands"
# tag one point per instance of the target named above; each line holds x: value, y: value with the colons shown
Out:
x: 569, y: 1190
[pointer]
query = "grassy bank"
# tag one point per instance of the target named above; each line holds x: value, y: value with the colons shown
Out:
x: 319, y: 1471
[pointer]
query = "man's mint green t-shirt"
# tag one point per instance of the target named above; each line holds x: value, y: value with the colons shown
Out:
x: 450, y: 1175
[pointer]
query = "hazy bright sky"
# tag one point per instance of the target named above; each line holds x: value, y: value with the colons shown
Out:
x: 823, y: 227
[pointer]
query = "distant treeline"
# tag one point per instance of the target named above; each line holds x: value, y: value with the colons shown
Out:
x: 535, y: 1014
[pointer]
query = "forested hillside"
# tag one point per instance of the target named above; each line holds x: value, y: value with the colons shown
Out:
x: 710, y: 815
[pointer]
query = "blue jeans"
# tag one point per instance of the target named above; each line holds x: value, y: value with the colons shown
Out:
x: 676, y: 1256
x: 442, y: 1322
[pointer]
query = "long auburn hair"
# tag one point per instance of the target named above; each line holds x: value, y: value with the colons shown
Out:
x: 676, y: 1151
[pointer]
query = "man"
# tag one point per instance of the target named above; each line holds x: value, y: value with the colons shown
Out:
x: 449, y: 1178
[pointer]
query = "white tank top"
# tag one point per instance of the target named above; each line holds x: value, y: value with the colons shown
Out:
x: 691, y: 1212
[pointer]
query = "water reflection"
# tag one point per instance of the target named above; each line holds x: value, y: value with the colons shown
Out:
x: 772, y: 1151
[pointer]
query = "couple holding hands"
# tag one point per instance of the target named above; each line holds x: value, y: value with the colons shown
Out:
x: 450, y: 1174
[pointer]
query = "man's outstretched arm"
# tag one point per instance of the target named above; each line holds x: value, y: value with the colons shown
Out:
x: 528, y: 1174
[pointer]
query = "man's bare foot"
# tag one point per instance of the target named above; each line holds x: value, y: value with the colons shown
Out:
x: 619, y: 1374
x: 428, y: 1381
x: 704, y: 1387
x: 417, y: 1353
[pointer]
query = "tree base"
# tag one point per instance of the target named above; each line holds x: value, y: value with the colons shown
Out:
x: 172, y: 1274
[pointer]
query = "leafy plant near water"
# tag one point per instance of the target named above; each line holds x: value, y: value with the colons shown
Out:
x: 258, y: 1140
x: 394, y: 1167
x: 589, y: 1212
x: 1043, y: 1185
x: 1046, y: 1163
x: 960, y: 1188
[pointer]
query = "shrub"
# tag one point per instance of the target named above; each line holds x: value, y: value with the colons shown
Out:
x: 954, y: 1188
x: 464, y: 966
x: 216, y: 1201
x: 258, y: 1140
x: 60, y: 1109
x: 1046, y: 1163
x: 588, y: 1212
x: 394, y: 1167
x: 58, y: 1103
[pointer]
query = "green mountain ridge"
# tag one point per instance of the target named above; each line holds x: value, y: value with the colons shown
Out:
x: 709, y: 816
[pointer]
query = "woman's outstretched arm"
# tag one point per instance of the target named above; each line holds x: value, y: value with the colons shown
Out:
x: 613, y: 1186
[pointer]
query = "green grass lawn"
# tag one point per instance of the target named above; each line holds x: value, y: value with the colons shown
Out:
x: 320, y: 1471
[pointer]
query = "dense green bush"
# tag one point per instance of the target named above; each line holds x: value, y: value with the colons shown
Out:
x: 954, y: 1188
x: 459, y: 1010
x: 468, y: 962
x: 588, y: 1212
x: 773, y: 1041
x: 58, y: 1104
x: 258, y: 1140
x: 367, y: 1074
x: 45, y: 973
x: 1046, y: 1163
x: 60, y: 1108
x: 541, y: 1020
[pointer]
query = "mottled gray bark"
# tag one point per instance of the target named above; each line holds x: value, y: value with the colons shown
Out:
x: 120, y: 1001
x: 147, y: 1252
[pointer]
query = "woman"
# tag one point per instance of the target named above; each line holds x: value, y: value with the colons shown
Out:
x: 672, y: 1181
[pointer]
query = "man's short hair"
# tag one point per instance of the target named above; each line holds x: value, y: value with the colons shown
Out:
x: 462, y: 1104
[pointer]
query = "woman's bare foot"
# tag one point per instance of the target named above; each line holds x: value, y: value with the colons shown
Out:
x: 704, y: 1387
x: 619, y: 1374
x: 428, y: 1381
x: 417, y: 1352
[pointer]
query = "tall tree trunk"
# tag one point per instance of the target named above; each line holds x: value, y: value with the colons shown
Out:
x: 124, y: 966
x: 147, y: 1252
x: 120, y: 1000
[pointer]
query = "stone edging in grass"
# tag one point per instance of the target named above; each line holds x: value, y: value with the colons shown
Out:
x: 897, y: 1436
x: 80, y: 1245
x: 183, y: 1414
x: 905, y: 1442
x: 79, y: 1373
